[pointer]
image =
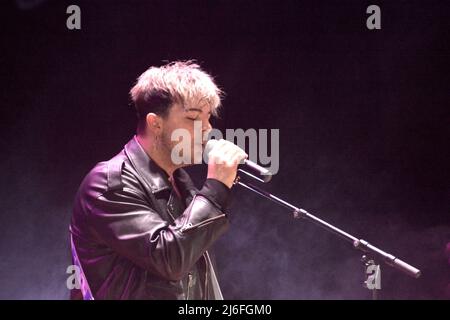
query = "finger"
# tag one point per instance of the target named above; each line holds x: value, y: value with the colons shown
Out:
x: 216, y: 152
x: 237, y: 155
x: 223, y: 151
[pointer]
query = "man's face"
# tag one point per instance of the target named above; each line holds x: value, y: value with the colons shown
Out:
x: 187, y: 118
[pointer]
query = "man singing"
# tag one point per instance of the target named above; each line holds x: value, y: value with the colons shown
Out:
x: 140, y: 229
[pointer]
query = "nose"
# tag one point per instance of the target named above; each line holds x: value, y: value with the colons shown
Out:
x: 206, y: 129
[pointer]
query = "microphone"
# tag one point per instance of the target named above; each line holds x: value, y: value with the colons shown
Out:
x: 264, y: 175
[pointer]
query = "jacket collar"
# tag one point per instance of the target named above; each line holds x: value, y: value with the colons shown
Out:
x: 155, y: 177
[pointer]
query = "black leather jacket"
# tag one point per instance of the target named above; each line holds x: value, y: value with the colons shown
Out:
x: 137, y: 238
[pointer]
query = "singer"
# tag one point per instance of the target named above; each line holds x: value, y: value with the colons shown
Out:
x: 140, y: 229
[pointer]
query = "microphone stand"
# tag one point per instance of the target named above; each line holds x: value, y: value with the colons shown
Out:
x: 371, y: 253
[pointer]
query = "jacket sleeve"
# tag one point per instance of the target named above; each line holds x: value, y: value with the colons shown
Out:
x: 124, y: 220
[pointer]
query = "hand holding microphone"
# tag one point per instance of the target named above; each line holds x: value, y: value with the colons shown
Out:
x: 223, y: 158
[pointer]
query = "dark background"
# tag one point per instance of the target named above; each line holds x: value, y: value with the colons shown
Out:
x: 363, y: 118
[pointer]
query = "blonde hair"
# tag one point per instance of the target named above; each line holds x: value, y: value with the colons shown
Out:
x: 181, y: 82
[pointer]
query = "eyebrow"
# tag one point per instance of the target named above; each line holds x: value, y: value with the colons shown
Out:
x: 196, y: 109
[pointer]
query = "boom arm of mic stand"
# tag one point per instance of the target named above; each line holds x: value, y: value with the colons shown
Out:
x: 359, y: 244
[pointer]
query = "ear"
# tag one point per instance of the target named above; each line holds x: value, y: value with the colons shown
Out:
x: 154, y: 123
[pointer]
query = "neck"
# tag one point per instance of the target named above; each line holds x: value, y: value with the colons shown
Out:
x: 157, y: 154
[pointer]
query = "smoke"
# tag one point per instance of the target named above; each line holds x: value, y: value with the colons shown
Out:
x: 266, y: 255
x: 34, y: 242
x: 35, y: 254
x: 269, y: 255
